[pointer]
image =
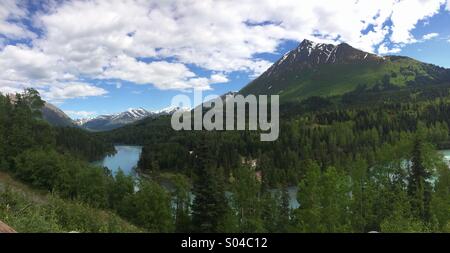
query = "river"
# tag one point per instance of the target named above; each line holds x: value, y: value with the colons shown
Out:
x: 126, y: 158
x: 446, y: 154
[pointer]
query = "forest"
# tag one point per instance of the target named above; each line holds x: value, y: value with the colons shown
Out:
x: 358, y: 168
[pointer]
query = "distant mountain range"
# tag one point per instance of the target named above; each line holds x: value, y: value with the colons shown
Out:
x: 109, y: 122
x: 57, y: 117
x: 314, y: 69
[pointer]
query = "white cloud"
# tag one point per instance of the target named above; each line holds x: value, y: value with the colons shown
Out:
x: 406, y: 15
x: 10, y: 12
x: 219, y: 78
x: 384, y: 49
x: 22, y: 63
x: 10, y: 89
x: 430, y: 36
x: 162, y: 74
x: 80, y: 114
x: 62, y: 91
x: 448, y: 5
x: 102, y: 39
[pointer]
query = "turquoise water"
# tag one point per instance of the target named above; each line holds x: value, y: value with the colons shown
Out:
x: 126, y: 158
x: 446, y: 154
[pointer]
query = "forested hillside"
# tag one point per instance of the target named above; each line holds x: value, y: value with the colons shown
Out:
x: 71, y: 193
x: 358, y: 166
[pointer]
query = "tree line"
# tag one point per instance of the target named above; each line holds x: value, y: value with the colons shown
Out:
x: 356, y: 170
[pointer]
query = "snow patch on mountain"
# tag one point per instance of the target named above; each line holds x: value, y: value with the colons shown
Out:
x: 310, y: 53
x: 108, y: 122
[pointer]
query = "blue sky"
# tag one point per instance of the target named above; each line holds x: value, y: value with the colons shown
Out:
x: 100, y: 57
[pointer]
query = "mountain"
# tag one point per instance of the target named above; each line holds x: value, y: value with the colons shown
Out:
x: 55, y: 116
x: 51, y: 114
x: 314, y: 69
x: 113, y: 121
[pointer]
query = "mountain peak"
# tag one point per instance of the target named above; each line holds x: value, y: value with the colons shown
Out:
x: 307, y: 42
x: 310, y: 54
x: 313, y: 69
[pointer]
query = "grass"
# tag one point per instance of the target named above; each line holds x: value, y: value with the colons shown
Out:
x: 29, y: 210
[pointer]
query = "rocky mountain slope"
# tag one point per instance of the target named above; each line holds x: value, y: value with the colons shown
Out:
x: 314, y: 69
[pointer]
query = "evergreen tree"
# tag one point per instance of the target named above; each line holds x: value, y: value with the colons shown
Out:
x: 182, y: 198
x: 121, y: 187
x: 401, y: 219
x: 285, y: 211
x: 210, y: 205
x: 308, y: 215
x: 360, y: 196
x: 246, y: 200
x: 419, y: 189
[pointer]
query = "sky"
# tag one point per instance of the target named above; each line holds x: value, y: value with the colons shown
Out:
x: 105, y: 56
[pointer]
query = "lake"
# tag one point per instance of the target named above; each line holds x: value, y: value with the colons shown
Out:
x: 126, y: 158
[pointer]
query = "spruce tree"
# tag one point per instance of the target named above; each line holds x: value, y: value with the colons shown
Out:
x: 419, y: 189
x: 182, y: 198
x: 285, y: 211
x: 210, y: 204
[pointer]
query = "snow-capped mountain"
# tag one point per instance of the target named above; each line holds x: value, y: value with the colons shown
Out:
x: 170, y: 110
x: 130, y: 116
x: 109, y: 122
x: 318, y: 69
x: 310, y: 53
x: 80, y: 122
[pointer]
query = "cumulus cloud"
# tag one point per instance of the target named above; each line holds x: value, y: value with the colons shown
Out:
x: 406, y: 14
x: 384, y: 49
x: 162, y: 74
x: 22, y: 63
x: 430, y: 36
x: 80, y: 114
x: 156, y: 42
x: 72, y: 90
x: 10, y: 14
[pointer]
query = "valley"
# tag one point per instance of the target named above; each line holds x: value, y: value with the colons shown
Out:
x: 349, y: 121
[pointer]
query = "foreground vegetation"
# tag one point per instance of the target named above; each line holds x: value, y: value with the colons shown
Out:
x: 357, y: 169
x: 31, y: 210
